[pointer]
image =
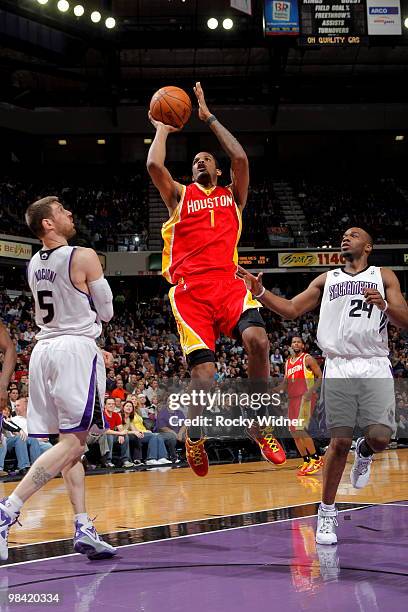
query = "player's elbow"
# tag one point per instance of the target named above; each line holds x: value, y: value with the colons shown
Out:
x: 107, y: 312
x: 154, y: 168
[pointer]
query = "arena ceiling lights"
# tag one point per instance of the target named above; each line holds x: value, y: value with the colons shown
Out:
x: 78, y: 10
x: 213, y: 23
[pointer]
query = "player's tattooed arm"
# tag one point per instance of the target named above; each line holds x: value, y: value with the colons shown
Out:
x: 288, y: 309
x: 231, y: 146
x: 394, y: 305
x: 9, y: 363
x: 40, y: 476
x: 170, y: 190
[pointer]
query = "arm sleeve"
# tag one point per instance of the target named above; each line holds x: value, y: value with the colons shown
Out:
x: 102, y: 298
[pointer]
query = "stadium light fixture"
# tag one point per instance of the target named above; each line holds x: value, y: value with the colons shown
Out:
x: 79, y: 10
x: 62, y: 142
x: 42, y: 1
x: 228, y: 24
x: 212, y: 23
x: 110, y: 23
x: 101, y: 141
x: 399, y: 138
x: 63, y: 6
x: 96, y: 16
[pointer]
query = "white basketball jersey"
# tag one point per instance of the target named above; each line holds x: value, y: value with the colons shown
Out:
x: 60, y: 308
x: 348, y: 326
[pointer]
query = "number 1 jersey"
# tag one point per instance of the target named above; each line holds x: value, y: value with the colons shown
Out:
x: 60, y: 308
x: 202, y: 235
x: 348, y: 326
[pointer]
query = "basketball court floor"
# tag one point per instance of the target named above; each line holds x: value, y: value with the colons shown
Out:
x: 240, y: 539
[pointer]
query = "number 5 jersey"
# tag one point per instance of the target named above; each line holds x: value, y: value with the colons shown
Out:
x: 60, y: 308
x: 348, y: 326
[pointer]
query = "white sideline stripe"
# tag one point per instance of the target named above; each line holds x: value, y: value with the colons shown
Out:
x: 205, y: 518
x: 297, y: 518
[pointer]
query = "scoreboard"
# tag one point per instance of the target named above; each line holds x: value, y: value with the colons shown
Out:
x: 332, y: 22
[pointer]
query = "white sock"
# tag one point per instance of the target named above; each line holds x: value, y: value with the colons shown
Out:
x: 327, y: 506
x: 13, y: 504
x: 82, y: 518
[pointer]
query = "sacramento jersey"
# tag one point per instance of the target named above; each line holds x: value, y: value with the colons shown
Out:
x: 60, y: 308
x: 348, y: 326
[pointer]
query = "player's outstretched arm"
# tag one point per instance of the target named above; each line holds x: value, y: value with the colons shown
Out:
x: 9, y: 362
x: 231, y: 146
x: 87, y: 275
x: 288, y: 309
x: 170, y: 190
x: 396, y: 307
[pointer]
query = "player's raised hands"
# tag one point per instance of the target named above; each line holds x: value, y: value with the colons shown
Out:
x: 162, y: 126
x: 253, y: 283
x: 203, y: 111
x: 372, y: 296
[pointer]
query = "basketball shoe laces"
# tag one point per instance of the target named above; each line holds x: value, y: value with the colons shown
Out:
x: 195, y: 452
x: 327, y: 524
x: 271, y: 441
x: 362, y: 465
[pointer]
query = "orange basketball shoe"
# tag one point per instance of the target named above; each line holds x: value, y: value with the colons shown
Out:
x: 303, y: 467
x: 197, y: 457
x: 314, y: 466
x: 270, y: 448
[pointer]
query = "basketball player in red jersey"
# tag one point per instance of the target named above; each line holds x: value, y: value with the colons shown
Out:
x: 303, y: 377
x: 200, y: 259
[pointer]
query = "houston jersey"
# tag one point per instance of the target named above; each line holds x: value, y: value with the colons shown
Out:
x: 298, y: 375
x: 348, y: 326
x: 60, y: 308
x: 202, y: 234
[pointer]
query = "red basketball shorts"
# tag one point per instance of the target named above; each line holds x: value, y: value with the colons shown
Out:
x: 302, y: 410
x: 205, y: 307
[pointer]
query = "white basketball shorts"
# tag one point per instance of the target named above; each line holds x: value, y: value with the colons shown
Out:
x: 359, y: 391
x: 67, y: 386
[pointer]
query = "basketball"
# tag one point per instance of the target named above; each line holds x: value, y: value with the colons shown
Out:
x: 172, y: 106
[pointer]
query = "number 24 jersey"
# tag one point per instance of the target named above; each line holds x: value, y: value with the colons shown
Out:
x: 348, y: 326
x: 60, y: 308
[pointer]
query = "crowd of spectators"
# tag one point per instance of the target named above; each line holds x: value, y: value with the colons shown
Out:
x: 329, y: 207
x: 147, y: 357
x: 111, y: 213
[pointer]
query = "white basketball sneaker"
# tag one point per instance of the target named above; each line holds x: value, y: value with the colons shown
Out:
x: 88, y: 542
x: 6, y: 521
x: 360, y: 472
x: 326, y: 526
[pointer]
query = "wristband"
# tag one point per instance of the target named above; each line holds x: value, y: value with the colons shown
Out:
x: 211, y: 119
x: 261, y: 294
x: 386, y: 306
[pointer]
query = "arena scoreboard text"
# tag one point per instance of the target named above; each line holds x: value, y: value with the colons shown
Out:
x: 332, y: 22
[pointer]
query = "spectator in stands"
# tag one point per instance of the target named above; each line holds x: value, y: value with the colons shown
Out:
x: 115, y: 434
x: 135, y: 436
x: 132, y: 385
x: 171, y: 432
x: 156, y: 449
x: 119, y: 391
x: 36, y: 446
x: 110, y: 381
x: 14, y: 438
x: 13, y: 397
x: 23, y: 386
